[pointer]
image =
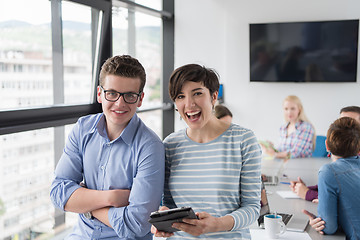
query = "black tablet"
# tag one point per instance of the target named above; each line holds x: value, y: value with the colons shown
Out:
x: 163, y: 220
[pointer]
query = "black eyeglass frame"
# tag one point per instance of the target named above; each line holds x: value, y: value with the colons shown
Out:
x: 121, y: 95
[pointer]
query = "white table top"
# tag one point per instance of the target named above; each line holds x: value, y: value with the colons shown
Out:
x: 307, y: 169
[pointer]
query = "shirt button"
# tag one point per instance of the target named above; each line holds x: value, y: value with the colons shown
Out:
x: 102, y: 167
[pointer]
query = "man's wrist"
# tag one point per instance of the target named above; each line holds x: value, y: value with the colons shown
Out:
x: 88, y: 215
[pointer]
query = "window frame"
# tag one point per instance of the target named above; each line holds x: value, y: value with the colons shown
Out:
x: 19, y: 120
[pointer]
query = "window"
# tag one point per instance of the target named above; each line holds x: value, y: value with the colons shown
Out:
x: 48, y: 78
x: 76, y: 22
x: 27, y: 167
x: 25, y: 54
x: 140, y: 35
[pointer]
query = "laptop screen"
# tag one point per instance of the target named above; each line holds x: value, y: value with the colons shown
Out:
x: 265, y: 209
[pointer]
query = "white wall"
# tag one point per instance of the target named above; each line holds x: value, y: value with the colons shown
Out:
x: 215, y: 33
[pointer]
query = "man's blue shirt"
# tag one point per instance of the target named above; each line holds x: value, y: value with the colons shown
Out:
x: 135, y: 161
x: 339, y: 196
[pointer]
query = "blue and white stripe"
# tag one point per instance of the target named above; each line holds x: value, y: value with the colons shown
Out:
x: 221, y: 177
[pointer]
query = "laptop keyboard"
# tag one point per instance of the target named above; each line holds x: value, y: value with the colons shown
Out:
x: 285, y: 217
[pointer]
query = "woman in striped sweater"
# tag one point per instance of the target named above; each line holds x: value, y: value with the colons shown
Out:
x: 212, y: 166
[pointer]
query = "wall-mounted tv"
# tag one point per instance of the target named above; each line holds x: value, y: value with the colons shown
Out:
x: 322, y: 51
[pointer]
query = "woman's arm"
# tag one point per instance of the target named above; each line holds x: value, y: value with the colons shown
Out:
x: 250, y: 183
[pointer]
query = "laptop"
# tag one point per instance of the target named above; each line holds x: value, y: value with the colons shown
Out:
x: 270, y: 180
x: 271, y: 169
x: 291, y: 222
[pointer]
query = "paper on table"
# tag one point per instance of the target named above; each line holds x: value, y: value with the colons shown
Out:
x: 287, y: 194
x: 259, y: 234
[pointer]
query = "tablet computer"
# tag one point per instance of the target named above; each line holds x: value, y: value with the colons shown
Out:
x: 163, y: 220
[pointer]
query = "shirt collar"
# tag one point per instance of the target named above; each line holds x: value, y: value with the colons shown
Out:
x: 127, y: 134
x: 296, y: 124
x: 100, y: 126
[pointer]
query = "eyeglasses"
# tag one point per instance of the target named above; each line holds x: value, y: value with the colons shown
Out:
x: 113, y: 96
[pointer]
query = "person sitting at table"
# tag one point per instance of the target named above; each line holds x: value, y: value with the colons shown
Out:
x: 310, y: 193
x: 339, y: 194
x: 223, y: 113
x: 297, y: 135
x: 351, y: 111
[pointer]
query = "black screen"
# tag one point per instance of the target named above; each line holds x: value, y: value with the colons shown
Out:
x: 323, y: 51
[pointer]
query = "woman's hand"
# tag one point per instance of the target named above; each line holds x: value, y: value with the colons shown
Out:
x: 267, y: 148
x: 160, y: 233
x: 316, y: 223
x: 299, y: 187
x: 205, y: 224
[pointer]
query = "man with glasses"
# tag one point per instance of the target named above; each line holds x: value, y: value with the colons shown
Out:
x: 112, y: 169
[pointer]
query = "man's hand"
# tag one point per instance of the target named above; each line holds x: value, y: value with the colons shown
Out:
x: 299, y: 187
x: 316, y: 223
x: 301, y: 190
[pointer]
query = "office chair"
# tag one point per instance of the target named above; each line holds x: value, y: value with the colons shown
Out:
x: 320, y: 148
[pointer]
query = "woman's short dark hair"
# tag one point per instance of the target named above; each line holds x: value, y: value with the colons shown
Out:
x: 194, y: 73
x: 343, y: 137
x: 123, y: 66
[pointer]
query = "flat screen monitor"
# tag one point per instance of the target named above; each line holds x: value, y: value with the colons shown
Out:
x: 322, y: 51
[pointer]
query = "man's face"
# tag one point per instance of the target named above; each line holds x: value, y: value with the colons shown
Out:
x: 119, y: 113
x: 353, y: 115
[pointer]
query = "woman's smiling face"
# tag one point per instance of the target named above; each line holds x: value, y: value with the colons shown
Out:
x: 291, y: 111
x: 195, y: 104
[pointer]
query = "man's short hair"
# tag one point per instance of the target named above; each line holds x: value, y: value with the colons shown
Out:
x: 355, y: 109
x: 123, y: 66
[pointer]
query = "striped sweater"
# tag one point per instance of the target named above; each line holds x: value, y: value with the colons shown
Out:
x: 221, y: 177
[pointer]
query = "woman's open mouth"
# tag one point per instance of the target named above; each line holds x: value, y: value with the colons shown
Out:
x: 193, y: 116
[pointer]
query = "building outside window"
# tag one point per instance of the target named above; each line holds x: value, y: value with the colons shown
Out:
x: 27, y: 81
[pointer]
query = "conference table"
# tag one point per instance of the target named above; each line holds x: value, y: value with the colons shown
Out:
x: 307, y: 169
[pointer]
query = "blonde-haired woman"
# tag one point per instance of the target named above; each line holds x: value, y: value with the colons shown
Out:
x: 297, y: 135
